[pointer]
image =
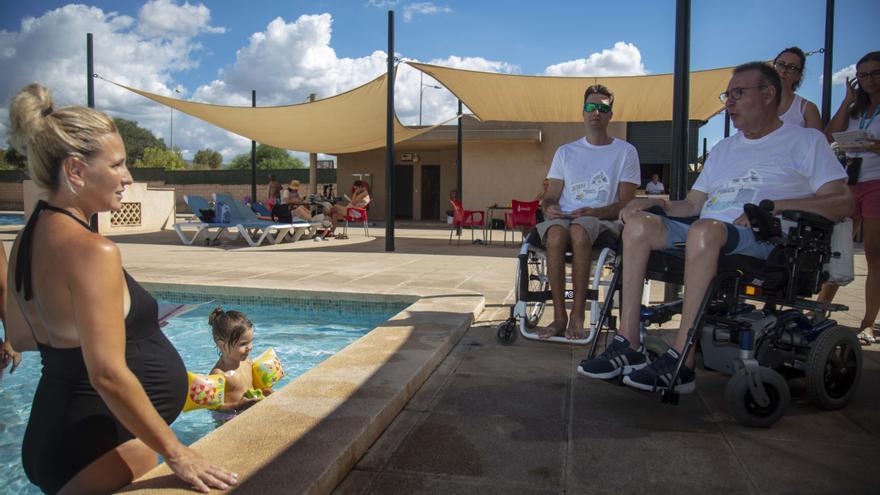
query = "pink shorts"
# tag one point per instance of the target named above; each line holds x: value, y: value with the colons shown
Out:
x: 867, y: 196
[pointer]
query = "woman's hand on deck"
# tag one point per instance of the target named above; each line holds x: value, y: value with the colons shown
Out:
x: 198, y: 472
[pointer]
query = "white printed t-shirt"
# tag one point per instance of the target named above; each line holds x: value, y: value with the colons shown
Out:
x: 591, y: 174
x: 870, y: 169
x: 789, y: 163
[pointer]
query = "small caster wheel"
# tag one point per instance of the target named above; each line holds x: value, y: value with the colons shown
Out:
x: 507, y: 332
x: 746, y: 409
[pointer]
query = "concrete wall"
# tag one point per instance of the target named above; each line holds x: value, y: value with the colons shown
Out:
x: 10, y: 196
x: 500, y: 162
x: 155, y: 207
x: 201, y: 182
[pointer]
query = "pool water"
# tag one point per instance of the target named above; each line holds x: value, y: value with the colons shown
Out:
x: 302, y: 337
x: 11, y: 219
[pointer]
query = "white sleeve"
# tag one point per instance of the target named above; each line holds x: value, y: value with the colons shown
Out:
x: 820, y: 165
x: 557, y: 169
x: 632, y: 173
x: 703, y: 181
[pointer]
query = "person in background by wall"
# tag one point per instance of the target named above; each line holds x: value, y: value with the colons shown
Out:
x: 859, y: 110
x: 273, y: 191
x: 290, y: 196
x: 794, y: 110
x: 655, y: 186
x: 453, y: 196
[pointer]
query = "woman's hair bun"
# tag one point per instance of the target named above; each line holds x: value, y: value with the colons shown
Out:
x: 27, y: 111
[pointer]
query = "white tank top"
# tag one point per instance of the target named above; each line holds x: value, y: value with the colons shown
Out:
x: 795, y: 113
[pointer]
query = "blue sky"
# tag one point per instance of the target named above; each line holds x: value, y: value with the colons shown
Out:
x: 219, y: 50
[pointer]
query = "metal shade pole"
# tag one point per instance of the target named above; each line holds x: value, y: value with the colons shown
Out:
x: 458, y: 167
x: 680, y: 96
x: 90, y: 98
x: 826, y: 72
x: 389, y: 141
x: 313, y: 162
x: 253, y: 154
x: 680, y: 111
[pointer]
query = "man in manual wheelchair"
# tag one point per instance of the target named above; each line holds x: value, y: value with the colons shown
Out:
x: 724, y: 261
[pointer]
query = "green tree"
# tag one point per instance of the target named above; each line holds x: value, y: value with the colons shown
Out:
x: 268, y: 157
x: 136, y: 139
x: 155, y: 157
x: 208, y: 158
x: 11, y: 159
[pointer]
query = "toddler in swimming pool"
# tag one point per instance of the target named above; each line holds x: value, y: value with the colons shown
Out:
x: 234, y: 335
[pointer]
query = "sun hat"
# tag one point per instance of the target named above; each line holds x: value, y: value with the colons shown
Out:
x: 294, y: 184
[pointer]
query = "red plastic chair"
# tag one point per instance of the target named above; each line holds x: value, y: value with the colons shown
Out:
x: 465, y: 218
x: 522, y: 214
x: 353, y: 214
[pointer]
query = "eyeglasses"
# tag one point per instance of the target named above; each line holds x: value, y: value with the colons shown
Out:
x: 864, y: 76
x: 781, y: 66
x: 736, y: 93
x: 592, y: 107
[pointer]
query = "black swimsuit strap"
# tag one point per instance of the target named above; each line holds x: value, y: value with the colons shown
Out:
x: 23, y: 263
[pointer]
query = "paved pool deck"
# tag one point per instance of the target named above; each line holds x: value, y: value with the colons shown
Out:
x: 477, y: 417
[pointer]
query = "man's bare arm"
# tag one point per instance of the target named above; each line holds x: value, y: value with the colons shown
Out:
x: 833, y: 201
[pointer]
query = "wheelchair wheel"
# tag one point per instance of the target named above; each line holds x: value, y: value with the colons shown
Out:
x: 537, y: 282
x: 834, y: 367
x: 507, y: 331
x: 743, y: 406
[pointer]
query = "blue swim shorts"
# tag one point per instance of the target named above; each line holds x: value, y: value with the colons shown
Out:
x: 740, y: 240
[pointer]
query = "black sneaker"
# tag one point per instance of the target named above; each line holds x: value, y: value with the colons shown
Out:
x: 657, y: 375
x: 617, y: 358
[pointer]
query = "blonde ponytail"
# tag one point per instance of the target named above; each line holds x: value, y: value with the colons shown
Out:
x: 48, y: 136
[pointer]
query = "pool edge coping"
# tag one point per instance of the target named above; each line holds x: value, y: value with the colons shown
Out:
x: 362, y: 388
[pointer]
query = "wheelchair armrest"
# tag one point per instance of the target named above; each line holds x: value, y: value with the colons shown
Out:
x: 765, y: 226
x: 812, y: 219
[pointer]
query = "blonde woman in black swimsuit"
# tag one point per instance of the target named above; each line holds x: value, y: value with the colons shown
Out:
x: 111, y: 381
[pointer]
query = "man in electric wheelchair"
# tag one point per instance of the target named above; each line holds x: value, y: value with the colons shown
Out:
x: 790, y: 167
x: 589, y: 181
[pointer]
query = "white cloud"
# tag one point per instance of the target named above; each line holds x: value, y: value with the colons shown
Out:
x: 624, y: 59
x: 438, y: 105
x: 50, y: 50
x: 164, y: 18
x: 840, y: 76
x: 283, y: 62
x: 382, y: 3
x: 423, y: 8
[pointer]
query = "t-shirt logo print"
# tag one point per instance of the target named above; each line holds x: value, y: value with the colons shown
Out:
x: 737, y: 192
x: 594, y: 192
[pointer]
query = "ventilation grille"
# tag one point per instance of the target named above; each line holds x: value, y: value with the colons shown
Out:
x: 128, y: 215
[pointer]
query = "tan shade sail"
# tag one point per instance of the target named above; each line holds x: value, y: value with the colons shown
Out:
x: 345, y: 123
x: 504, y: 97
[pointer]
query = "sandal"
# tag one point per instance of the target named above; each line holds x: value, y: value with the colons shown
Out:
x: 866, y: 337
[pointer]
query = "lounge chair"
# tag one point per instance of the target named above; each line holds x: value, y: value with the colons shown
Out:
x: 264, y: 213
x: 196, y: 204
x: 254, y: 230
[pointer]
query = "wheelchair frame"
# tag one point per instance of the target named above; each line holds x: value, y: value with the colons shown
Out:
x: 531, y: 301
x: 827, y: 355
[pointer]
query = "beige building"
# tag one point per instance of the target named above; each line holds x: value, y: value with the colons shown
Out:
x: 502, y: 161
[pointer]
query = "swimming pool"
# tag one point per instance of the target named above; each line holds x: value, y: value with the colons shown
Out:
x: 11, y: 219
x: 302, y: 333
